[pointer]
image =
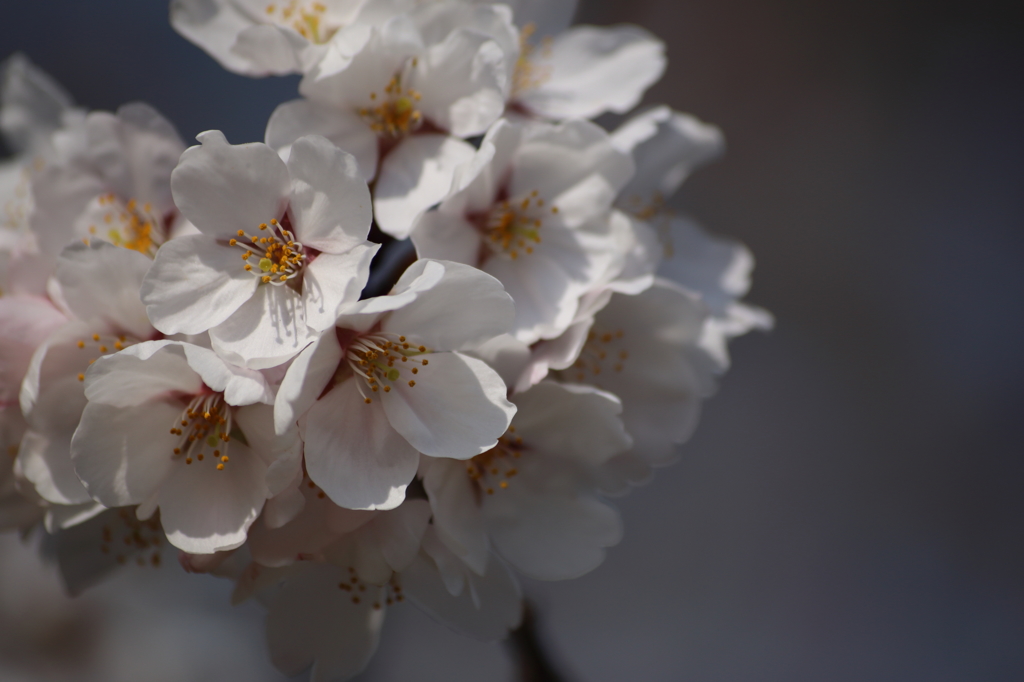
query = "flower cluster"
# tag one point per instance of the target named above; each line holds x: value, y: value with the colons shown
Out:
x: 406, y: 347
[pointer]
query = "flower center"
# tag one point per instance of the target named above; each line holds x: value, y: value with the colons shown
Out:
x: 601, y: 351
x: 513, y: 226
x: 497, y: 465
x: 383, y: 359
x: 655, y: 213
x: 394, y: 114
x: 105, y: 344
x: 528, y: 74
x: 282, y: 257
x: 307, y: 19
x: 128, y: 224
x: 204, y: 427
x: 386, y: 594
x: 19, y: 204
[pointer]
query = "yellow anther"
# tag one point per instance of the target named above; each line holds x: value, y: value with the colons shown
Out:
x: 188, y: 460
x: 415, y: 370
x: 241, y: 233
x: 263, y: 226
x: 103, y: 349
x: 411, y: 383
x: 425, y: 361
x: 367, y: 401
x: 95, y: 337
x: 265, y: 279
x: 220, y: 467
x: 81, y: 344
x: 273, y: 221
x: 81, y: 377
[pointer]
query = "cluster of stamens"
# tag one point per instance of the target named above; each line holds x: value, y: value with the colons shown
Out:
x: 280, y: 256
x: 393, y: 115
x: 19, y: 203
x: 372, y: 358
x: 139, y: 537
x: 307, y: 20
x: 104, y: 344
x: 528, y: 74
x: 132, y: 225
x: 496, y: 466
x: 204, y: 425
x: 381, y: 594
x: 600, y: 347
x: 513, y: 227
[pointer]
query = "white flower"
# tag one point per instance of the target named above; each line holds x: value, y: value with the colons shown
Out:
x: 263, y: 37
x: 32, y: 107
x: 667, y: 146
x: 391, y: 382
x: 532, y: 497
x: 171, y: 425
x: 532, y: 209
x: 281, y: 247
x: 99, y: 285
x: 109, y: 180
x: 646, y: 349
x: 407, y: 89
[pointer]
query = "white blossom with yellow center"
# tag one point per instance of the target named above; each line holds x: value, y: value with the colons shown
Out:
x: 280, y: 248
x: 392, y: 380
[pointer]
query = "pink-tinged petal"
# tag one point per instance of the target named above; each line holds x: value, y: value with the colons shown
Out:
x: 239, y: 385
x: 195, y: 284
x: 25, y: 322
x: 312, y: 622
x: 354, y: 454
x: 265, y: 331
x: 457, y: 518
x: 331, y: 281
x: 465, y: 308
x: 594, y: 70
x: 224, y: 188
x: 123, y: 454
x: 486, y: 609
x: 205, y: 510
x: 306, y: 379
x: 547, y: 535
x: 345, y: 129
x: 456, y: 407
x: 413, y: 177
x: 330, y: 202
x: 141, y: 373
x: 102, y: 281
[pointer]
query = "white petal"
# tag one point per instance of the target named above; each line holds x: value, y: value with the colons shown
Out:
x: 463, y: 82
x: 439, y: 234
x: 312, y: 622
x: 25, y: 322
x: 457, y: 516
x: 224, y: 188
x: 345, y: 129
x: 330, y: 202
x: 331, y: 281
x: 505, y: 355
x: 667, y: 146
x: 195, y: 284
x: 594, y: 70
x: 33, y: 104
x: 45, y: 460
x: 214, y: 26
x: 306, y: 379
x: 122, y: 454
x: 413, y: 177
x: 354, y: 454
x: 103, y: 281
x: 204, y: 510
x: 550, y: 536
x: 265, y: 331
x: 456, y: 409
x: 465, y: 308
x: 270, y: 50
x: 140, y: 373
x: 240, y: 386
x: 575, y: 422
x: 545, y: 297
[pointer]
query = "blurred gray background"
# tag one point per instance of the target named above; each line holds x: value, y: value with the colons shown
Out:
x: 851, y: 507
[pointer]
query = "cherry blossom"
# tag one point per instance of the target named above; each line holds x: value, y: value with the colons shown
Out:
x: 391, y: 382
x: 281, y: 247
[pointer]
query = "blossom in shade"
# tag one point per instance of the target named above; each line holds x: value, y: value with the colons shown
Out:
x: 281, y: 247
x: 391, y: 381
